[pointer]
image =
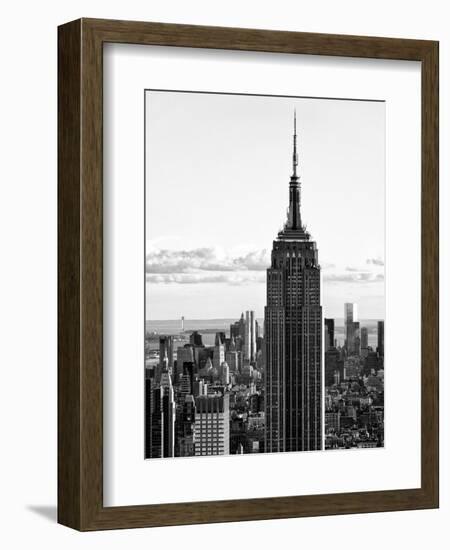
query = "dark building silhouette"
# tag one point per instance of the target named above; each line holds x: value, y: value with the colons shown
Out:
x: 352, y: 340
x: 364, y: 342
x: 380, y: 340
x: 293, y: 335
x: 195, y: 339
x: 372, y: 363
x: 166, y: 349
x: 219, y: 339
x: 334, y: 367
x: 184, y: 424
x: 189, y: 371
x: 168, y: 411
x: 185, y: 354
x: 153, y: 417
x: 237, y: 332
x: 329, y: 334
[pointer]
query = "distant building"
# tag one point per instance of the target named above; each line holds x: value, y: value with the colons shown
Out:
x: 380, y: 339
x: 237, y: 331
x: 332, y: 421
x: 184, y: 426
x: 352, y: 368
x: 168, y: 410
x: 333, y: 364
x: 153, y: 418
x: 212, y: 425
x: 202, y: 355
x: 225, y: 373
x: 250, y: 337
x: 185, y: 354
x: 351, y: 327
x: 357, y: 339
x: 372, y: 363
x: 373, y: 383
x: 364, y: 342
x: 219, y: 351
x: 195, y: 339
x: 187, y: 372
x: 329, y: 334
x: 200, y: 388
x: 220, y: 338
x: 232, y: 359
x: 166, y: 349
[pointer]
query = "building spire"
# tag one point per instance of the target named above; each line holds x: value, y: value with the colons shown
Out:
x: 294, y: 219
x: 293, y: 228
x: 294, y: 155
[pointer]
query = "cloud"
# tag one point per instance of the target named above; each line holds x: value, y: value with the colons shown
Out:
x: 234, y: 279
x: 206, y: 265
x: 359, y: 277
x: 375, y: 261
x: 205, y: 259
x: 218, y: 266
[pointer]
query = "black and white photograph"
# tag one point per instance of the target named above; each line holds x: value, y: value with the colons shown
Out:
x: 264, y: 274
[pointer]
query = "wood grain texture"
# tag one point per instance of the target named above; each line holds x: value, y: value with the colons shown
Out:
x: 80, y: 264
x: 69, y: 245
x: 430, y: 273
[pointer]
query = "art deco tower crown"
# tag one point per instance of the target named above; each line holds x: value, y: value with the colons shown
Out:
x: 293, y: 228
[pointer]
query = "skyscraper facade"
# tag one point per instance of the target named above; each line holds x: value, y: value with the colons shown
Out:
x: 166, y: 349
x: 153, y: 417
x: 364, y: 342
x: 329, y: 334
x: 250, y: 337
x: 293, y: 335
x: 168, y: 412
x: 212, y: 425
x: 195, y: 339
x: 364, y: 338
x: 185, y: 354
x: 219, y: 350
x: 237, y: 332
x: 351, y: 327
x: 380, y: 338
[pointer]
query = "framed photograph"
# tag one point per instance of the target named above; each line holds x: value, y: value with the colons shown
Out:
x: 248, y: 274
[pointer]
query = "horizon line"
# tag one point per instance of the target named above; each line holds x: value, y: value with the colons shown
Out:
x: 261, y: 317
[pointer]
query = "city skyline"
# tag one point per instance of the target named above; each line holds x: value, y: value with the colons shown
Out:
x: 242, y: 143
x: 201, y: 411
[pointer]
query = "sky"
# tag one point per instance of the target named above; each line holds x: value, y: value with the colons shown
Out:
x: 217, y: 180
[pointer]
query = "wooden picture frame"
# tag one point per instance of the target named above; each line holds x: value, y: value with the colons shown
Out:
x: 80, y: 272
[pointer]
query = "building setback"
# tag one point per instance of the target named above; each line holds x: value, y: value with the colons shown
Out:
x: 293, y: 335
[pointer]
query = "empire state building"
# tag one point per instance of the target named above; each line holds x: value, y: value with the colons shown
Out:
x: 293, y: 334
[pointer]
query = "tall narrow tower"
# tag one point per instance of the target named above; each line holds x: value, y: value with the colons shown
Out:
x: 168, y: 410
x: 351, y: 326
x: 293, y: 334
